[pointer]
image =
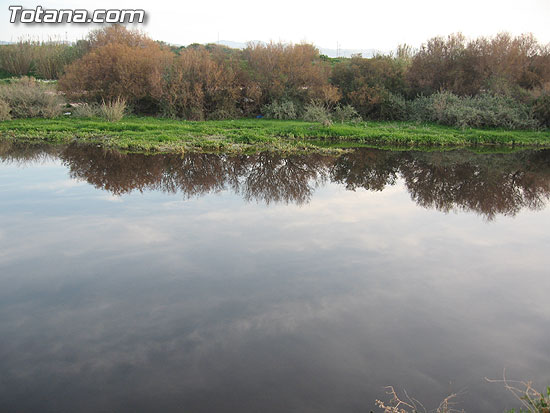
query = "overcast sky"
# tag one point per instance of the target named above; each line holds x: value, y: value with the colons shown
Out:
x: 353, y: 24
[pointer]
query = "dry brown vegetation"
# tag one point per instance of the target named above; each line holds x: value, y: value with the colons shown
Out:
x: 503, y: 64
x: 113, y: 110
x: 196, y: 86
x: 411, y: 405
x: 28, y: 98
x: 294, y: 72
x: 4, y: 110
x: 119, y: 63
x: 532, y: 401
x: 510, y: 75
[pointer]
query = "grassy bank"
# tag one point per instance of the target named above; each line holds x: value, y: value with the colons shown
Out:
x: 154, y: 134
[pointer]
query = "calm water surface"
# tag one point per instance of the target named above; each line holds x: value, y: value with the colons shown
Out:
x: 205, y: 283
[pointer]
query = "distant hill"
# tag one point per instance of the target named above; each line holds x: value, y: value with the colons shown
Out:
x: 323, y: 50
x: 349, y: 52
x: 235, y: 45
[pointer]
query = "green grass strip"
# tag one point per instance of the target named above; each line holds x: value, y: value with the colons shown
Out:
x: 250, y: 135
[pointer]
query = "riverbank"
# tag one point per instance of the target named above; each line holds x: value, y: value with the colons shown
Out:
x: 251, y: 135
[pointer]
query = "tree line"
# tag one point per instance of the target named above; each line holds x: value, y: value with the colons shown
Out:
x: 497, y: 81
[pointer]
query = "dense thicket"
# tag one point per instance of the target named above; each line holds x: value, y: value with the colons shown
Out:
x: 44, y: 60
x: 119, y: 64
x: 502, y: 81
x: 502, y: 64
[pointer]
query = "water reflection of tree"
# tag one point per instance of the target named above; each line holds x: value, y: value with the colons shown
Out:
x: 20, y: 152
x: 488, y: 184
x: 368, y: 169
x: 265, y: 177
x: 274, y: 178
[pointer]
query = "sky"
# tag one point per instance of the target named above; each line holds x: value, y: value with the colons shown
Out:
x: 351, y: 24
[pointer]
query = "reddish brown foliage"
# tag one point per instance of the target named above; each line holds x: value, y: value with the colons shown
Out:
x: 212, y: 81
x: 196, y: 86
x: 117, y: 66
x: 289, y: 71
x: 502, y: 64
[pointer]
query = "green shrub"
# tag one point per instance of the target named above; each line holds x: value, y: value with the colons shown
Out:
x: 4, y: 111
x: 4, y: 75
x: 114, y: 110
x: 541, y: 110
x: 379, y: 103
x: 345, y: 113
x: 419, y: 109
x: 28, y: 98
x: 485, y: 110
x: 283, y: 109
x: 393, y: 107
x: 315, y: 111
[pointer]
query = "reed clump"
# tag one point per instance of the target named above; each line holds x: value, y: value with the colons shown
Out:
x: 113, y: 110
